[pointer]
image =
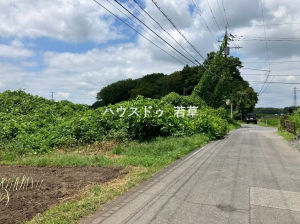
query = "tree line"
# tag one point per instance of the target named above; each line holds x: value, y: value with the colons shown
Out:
x: 272, y: 110
x: 216, y: 81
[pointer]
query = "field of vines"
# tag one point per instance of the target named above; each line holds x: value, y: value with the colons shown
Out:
x: 31, y: 124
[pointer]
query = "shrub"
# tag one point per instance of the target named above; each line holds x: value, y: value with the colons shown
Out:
x: 37, y: 125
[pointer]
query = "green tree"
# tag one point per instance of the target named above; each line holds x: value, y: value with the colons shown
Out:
x: 116, y: 92
x: 244, y: 101
x: 221, y: 80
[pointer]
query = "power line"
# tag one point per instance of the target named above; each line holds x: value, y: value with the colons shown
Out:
x: 213, y: 16
x: 135, y: 22
x: 268, y: 83
x: 225, y: 13
x: 276, y: 38
x: 162, y: 28
x: 245, y: 38
x: 263, y: 17
x: 271, y: 62
x: 140, y: 33
x: 152, y: 30
x: 270, y: 24
x: 153, y: 24
x: 155, y: 3
x: 276, y: 75
x: 255, y: 69
x: 287, y: 83
x: 199, y: 13
x: 221, y: 13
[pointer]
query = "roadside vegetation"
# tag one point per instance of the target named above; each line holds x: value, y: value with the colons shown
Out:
x: 272, y: 122
x: 287, y: 135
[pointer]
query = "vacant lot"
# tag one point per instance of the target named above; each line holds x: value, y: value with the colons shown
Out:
x: 50, y: 186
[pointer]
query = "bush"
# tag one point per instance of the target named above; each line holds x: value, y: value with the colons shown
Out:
x: 37, y: 125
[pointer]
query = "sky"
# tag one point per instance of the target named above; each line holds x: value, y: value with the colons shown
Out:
x: 74, y: 48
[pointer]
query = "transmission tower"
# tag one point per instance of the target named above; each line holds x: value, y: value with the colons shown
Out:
x: 295, y: 97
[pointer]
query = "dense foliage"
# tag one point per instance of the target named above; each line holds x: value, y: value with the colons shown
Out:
x: 294, y: 117
x: 153, y: 86
x: 34, y: 124
x: 222, y: 81
x: 271, y: 110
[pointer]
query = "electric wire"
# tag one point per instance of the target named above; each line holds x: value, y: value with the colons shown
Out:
x: 272, y: 62
x: 265, y: 74
x: 268, y: 40
x: 268, y: 83
x: 200, y: 14
x: 256, y: 69
x: 269, y: 24
x: 263, y: 17
x: 213, y: 16
x: 285, y: 83
x: 247, y: 38
x: 225, y: 14
x: 157, y: 6
x: 136, y: 23
x: 221, y: 13
x: 162, y: 29
x: 140, y: 33
x: 268, y: 37
x: 154, y: 32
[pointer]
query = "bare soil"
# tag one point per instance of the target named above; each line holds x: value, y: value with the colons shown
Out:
x: 51, y: 185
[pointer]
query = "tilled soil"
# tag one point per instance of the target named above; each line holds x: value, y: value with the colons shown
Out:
x: 50, y: 186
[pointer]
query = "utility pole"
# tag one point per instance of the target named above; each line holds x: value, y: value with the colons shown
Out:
x: 226, y: 50
x: 52, y: 95
x: 227, y: 39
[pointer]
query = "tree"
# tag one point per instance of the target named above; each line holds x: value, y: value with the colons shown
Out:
x: 216, y: 84
x: 245, y: 100
x: 222, y: 80
x: 116, y: 92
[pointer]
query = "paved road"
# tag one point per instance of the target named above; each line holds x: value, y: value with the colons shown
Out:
x: 252, y: 176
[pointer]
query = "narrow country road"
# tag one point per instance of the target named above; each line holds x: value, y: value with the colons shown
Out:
x: 251, y: 176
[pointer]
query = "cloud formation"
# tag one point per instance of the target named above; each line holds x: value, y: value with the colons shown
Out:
x: 114, y: 52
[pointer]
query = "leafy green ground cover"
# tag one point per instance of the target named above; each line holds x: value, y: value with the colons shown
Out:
x: 287, y: 135
x: 273, y: 122
x: 33, y: 125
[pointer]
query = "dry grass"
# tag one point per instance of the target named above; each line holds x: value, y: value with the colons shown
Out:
x: 97, y: 148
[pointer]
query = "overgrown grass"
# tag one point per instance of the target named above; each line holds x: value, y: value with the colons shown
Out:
x: 159, y: 152
x: 269, y: 123
x: 287, y: 135
x: 142, y: 160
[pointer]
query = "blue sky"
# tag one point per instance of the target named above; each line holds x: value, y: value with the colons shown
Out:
x: 75, y: 48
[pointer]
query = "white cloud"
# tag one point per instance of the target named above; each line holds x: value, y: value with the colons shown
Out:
x: 64, y: 95
x: 15, y: 50
x: 83, y: 74
x: 280, y: 12
x: 92, y: 93
x: 74, y: 21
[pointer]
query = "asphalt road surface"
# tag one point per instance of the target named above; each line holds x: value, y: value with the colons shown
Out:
x: 251, y: 176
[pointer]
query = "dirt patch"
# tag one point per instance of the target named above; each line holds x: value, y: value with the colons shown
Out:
x: 50, y: 186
